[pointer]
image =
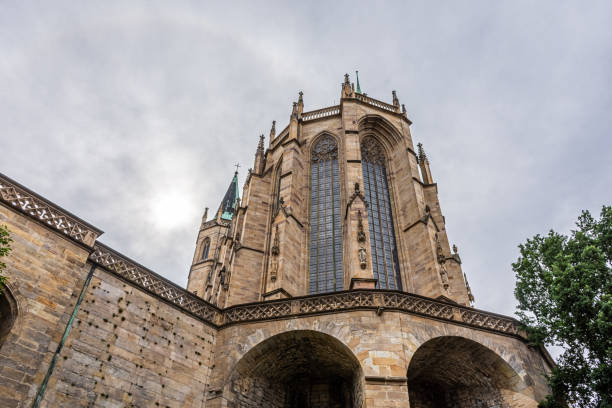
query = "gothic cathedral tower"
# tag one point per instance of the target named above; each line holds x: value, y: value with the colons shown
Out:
x: 339, y: 200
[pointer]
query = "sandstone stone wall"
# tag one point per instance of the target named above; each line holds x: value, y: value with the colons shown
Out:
x: 125, y: 347
x: 130, y: 349
x: 45, y: 273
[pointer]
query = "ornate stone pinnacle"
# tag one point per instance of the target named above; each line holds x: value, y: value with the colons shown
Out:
x: 300, y: 99
x: 395, y: 100
x: 422, y: 156
x: 273, y: 130
x: 404, y: 110
x: 346, y: 78
x: 454, y: 249
x: 260, y: 145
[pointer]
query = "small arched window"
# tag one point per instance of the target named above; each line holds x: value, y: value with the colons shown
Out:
x: 325, y: 228
x: 206, y: 248
x: 380, y: 217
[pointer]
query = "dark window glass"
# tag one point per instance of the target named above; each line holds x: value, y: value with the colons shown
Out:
x: 206, y: 249
x: 382, y: 235
x: 326, y: 232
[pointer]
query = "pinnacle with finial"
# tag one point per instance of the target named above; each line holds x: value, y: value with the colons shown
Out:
x: 395, y: 100
x: 346, y: 78
x: 273, y: 130
x: 260, y: 145
x: 422, y: 155
x: 358, y: 87
x: 300, y: 97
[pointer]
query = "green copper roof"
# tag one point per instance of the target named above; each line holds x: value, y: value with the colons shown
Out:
x: 358, y: 87
x: 228, y: 205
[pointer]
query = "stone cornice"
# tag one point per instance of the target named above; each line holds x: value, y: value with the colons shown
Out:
x: 379, y: 301
x: 53, y: 216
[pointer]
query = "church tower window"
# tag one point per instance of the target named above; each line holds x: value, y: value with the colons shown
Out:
x: 325, y: 228
x: 382, y: 235
x: 206, y: 249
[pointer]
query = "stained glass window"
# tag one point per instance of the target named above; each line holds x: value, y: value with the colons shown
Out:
x: 382, y: 235
x: 206, y: 249
x: 325, y: 227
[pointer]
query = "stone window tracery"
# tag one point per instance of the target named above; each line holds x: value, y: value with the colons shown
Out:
x: 385, y: 263
x: 325, y: 226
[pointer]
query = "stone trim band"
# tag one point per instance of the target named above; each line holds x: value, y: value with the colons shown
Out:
x: 376, y: 300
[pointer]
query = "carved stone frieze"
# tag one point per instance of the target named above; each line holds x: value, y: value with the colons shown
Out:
x: 29, y: 203
x: 488, y: 321
x: 417, y: 305
x: 337, y: 301
x: 260, y: 311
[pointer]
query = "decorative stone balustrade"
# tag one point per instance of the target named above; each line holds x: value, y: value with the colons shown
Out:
x: 321, y: 113
x: 377, y: 103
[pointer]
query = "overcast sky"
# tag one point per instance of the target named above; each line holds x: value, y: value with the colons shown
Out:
x: 132, y: 115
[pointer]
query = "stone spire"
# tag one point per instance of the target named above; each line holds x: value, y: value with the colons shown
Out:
x: 300, y: 103
x: 259, y: 156
x: 272, y: 133
x: 227, y: 208
x: 424, y: 163
x: 395, y: 100
x: 204, y: 216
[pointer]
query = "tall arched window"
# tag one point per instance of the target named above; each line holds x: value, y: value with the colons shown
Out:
x: 382, y: 235
x: 206, y: 248
x: 277, y: 196
x: 325, y: 228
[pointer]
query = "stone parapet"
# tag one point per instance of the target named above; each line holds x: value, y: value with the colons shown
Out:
x: 53, y: 216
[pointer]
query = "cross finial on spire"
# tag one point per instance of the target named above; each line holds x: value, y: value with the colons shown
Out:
x: 237, y: 166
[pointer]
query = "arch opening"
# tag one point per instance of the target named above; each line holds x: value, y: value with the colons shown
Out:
x: 298, y: 369
x: 8, y: 313
x: 457, y: 372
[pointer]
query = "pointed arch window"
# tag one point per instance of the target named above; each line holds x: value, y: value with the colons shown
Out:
x: 380, y: 217
x: 325, y: 228
x: 277, y: 196
x: 206, y: 249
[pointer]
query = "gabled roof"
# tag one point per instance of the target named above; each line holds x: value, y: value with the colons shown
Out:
x: 228, y: 204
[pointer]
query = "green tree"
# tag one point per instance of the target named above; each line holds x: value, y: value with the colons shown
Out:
x: 5, y: 248
x: 564, y: 290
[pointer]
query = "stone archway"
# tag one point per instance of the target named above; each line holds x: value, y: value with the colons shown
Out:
x: 297, y: 369
x: 456, y: 372
x: 8, y: 313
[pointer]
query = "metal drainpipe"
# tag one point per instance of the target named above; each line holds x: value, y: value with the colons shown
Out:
x: 43, y: 386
